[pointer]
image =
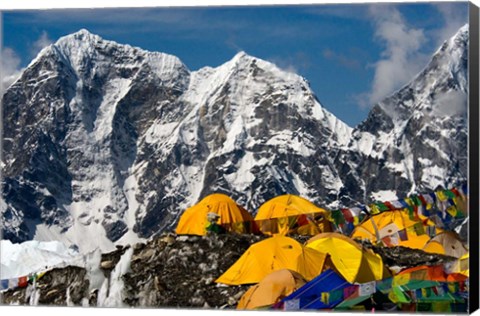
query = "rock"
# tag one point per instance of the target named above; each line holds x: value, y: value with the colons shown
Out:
x: 182, y: 238
x: 239, y: 295
x: 232, y: 301
x: 399, y: 257
x: 144, y: 255
x: 168, y: 239
x: 108, y: 265
x: 138, y: 246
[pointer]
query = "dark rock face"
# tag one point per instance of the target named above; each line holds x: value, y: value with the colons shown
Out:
x: 59, y: 287
x: 404, y: 257
x: 180, y: 272
x: 110, y: 138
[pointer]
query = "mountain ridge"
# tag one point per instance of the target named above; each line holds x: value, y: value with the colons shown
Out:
x: 114, y: 141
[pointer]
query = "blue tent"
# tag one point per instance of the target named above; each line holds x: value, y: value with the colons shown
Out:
x: 309, y: 296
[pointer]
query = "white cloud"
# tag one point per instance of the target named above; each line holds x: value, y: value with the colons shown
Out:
x: 295, y: 63
x: 10, y: 67
x: 401, y: 58
x: 452, y: 104
x: 42, y: 42
x: 11, y: 61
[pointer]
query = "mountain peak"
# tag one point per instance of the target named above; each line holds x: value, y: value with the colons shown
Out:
x: 241, y: 58
x: 445, y: 73
x: 240, y: 55
x: 82, y: 35
x: 463, y: 29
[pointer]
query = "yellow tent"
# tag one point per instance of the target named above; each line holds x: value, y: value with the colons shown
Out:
x: 446, y: 243
x: 272, y: 254
x: 348, y: 258
x: 395, y: 228
x: 271, y: 289
x: 282, y: 213
x: 232, y: 216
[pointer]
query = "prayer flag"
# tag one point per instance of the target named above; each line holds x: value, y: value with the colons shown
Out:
x: 389, y: 205
x: 22, y: 281
x: 356, y: 211
x: 356, y: 220
x: 394, y: 239
x: 423, y: 200
x: 440, y: 290
x: 338, y: 217
x: 452, y: 210
x: 411, y: 213
x: 414, y: 295
x: 455, y: 191
x: 349, y: 291
x: 4, y: 284
x: 382, y: 207
x: 452, y: 288
x: 424, y: 292
x: 428, y: 199
x: 336, y: 295
x: 374, y: 209
x: 416, y: 200
x: 449, y: 194
x: 419, y: 230
x: 367, y: 288
x: 397, y: 204
x: 387, y: 241
x: 325, y: 296
x: 403, y: 234
x: 12, y: 283
x: 347, y: 215
x: 441, y: 196
x: 292, y: 305
x: 431, y: 231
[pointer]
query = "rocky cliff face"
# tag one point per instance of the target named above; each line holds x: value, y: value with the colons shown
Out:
x: 113, y: 142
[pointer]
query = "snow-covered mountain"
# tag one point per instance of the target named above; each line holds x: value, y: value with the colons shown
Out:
x: 107, y: 143
x: 415, y: 140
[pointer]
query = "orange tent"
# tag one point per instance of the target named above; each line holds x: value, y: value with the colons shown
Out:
x: 395, y: 228
x: 431, y: 273
x: 286, y: 212
x: 271, y: 289
x: 233, y: 217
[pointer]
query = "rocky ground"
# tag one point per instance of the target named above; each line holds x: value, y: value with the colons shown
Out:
x: 170, y: 271
x: 403, y: 257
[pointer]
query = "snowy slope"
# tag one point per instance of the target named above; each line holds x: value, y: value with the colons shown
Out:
x: 32, y: 256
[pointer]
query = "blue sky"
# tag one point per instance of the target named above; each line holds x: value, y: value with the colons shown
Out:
x: 353, y: 55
